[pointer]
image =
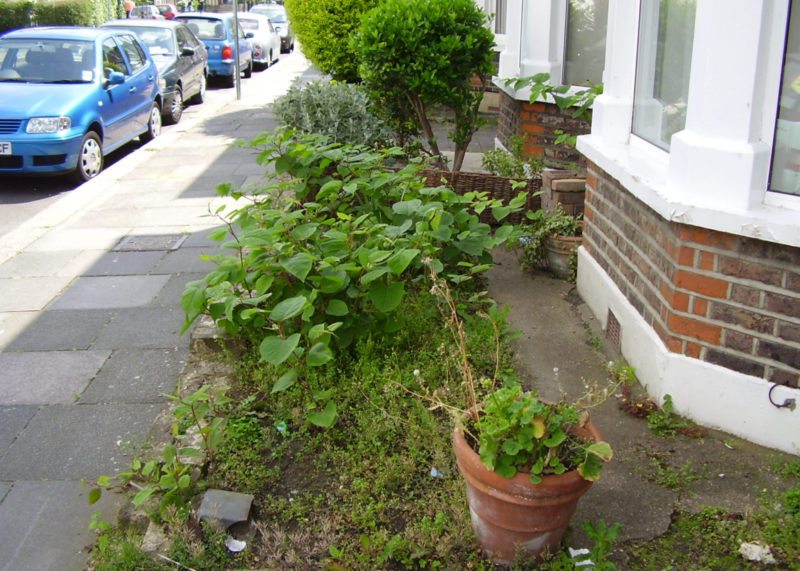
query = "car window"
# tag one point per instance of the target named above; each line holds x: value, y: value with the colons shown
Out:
x: 184, y: 37
x: 112, y: 58
x: 158, y: 40
x: 136, y: 56
x: 207, y: 28
x: 251, y: 25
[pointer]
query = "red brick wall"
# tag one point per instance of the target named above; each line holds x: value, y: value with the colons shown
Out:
x: 722, y: 298
x: 537, y: 123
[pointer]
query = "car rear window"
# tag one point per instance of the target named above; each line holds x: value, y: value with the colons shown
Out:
x: 251, y: 25
x: 206, y: 28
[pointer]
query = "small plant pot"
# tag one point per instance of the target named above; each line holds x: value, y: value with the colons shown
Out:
x: 514, y: 517
x: 558, y: 250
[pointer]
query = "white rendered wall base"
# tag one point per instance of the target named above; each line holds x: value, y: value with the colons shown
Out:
x: 708, y: 394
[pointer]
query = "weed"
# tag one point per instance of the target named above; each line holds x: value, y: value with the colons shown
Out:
x: 787, y: 470
x: 673, y: 478
x: 665, y: 423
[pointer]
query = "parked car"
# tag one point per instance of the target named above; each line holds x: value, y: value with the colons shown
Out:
x: 146, y: 12
x: 71, y: 95
x: 265, y: 40
x: 169, y: 11
x: 277, y: 15
x: 181, y: 59
x: 217, y: 33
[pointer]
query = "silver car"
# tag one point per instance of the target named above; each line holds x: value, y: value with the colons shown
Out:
x: 265, y: 39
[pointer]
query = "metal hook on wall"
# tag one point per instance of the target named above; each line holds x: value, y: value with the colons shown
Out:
x: 787, y: 403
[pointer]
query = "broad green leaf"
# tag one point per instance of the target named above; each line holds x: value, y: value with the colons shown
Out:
x: 555, y: 439
x: 288, y: 308
x: 304, y: 231
x: 500, y: 212
x: 142, y: 496
x: 287, y: 380
x: 275, y: 350
x: 318, y: 355
x: 330, y: 187
x: 299, y: 265
x: 218, y: 234
x: 400, y: 261
x: 336, y: 307
x: 184, y: 481
x: 94, y: 496
x: 407, y: 207
x: 472, y: 245
x: 590, y: 468
x: 503, y: 233
x: 386, y: 298
x: 602, y: 450
x: 263, y: 283
x: 373, y: 275
x: 538, y: 428
x: 324, y: 418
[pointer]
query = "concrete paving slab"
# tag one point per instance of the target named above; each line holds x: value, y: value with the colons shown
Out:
x: 170, y: 294
x: 47, y: 377
x: 169, y: 215
x: 136, y: 376
x: 105, y: 292
x: 37, y: 264
x: 5, y: 487
x: 201, y: 240
x: 108, y: 218
x: 186, y: 260
x: 78, y: 239
x: 70, y: 442
x: 46, y: 332
x: 144, y: 328
x: 30, y: 294
x: 12, y: 324
x: 124, y: 263
x: 43, y: 525
x: 12, y: 420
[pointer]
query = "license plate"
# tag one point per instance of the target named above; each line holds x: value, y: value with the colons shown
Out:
x: 5, y: 148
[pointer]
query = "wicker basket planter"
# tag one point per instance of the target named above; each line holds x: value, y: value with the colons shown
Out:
x: 497, y: 186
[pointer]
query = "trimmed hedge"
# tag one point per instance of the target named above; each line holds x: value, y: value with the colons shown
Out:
x: 15, y: 15
x: 325, y: 28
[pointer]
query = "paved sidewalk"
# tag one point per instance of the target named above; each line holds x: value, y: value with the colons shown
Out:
x: 90, y: 318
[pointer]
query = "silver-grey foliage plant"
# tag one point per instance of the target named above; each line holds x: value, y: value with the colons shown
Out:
x: 341, y: 111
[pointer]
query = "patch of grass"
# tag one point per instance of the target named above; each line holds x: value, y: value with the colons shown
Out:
x: 711, y: 539
x: 787, y: 470
x: 674, y: 478
x: 664, y: 422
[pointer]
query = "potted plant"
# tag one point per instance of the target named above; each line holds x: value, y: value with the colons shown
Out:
x: 551, y: 241
x: 526, y: 462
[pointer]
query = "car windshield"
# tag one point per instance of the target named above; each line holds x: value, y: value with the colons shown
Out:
x: 46, y: 61
x: 205, y: 28
x: 158, y: 40
x: 277, y: 15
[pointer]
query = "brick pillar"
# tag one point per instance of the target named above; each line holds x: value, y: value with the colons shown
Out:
x: 563, y: 187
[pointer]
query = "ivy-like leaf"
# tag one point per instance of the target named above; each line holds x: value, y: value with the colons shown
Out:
x: 400, y: 261
x: 318, y: 355
x: 324, y: 418
x: 299, y: 265
x: 275, y: 350
x: 287, y: 380
x: 336, y: 307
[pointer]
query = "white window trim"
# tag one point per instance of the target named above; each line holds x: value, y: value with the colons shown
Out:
x: 716, y: 174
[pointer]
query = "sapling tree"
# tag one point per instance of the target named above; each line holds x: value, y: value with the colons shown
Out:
x: 420, y: 54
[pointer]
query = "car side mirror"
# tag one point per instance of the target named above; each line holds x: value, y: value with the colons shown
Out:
x: 115, y: 78
x: 249, y: 35
x: 187, y: 51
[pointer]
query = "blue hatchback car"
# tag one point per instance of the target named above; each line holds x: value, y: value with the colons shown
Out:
x: 217, y: 33
x: 69, y: 96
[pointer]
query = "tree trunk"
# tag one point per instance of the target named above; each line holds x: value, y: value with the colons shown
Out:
x: 427, y: 129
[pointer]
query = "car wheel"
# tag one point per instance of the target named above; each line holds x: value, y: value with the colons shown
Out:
x: 248, y: 72
x: 175, y: 110
x: 153, y: 125
x: 90, y: 158
x: 200, y: 96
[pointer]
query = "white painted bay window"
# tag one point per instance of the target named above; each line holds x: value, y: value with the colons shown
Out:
x: 663, y: 65
x: 586, y: 41
x: 785, y: 175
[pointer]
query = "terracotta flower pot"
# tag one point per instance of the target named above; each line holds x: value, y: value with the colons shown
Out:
x: 559, y: 249
x: 513, y: 516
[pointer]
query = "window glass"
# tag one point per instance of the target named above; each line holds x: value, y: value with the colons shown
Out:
x: 785, y: 175
x: 500, y: 11
x: 136, y: 56
x: 586, y: 41
x: 158, y: 40
x: 112, y: 58
x: 663, y: 65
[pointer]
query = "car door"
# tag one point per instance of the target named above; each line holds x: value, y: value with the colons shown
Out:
x: 142, y: 83
x: 245, y: 47
x: 116, y: 103
x: 190, y: 66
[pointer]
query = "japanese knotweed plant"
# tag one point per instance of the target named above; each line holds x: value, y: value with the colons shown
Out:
x: 326, y: 251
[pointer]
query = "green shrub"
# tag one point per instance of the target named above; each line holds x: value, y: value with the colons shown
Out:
x: 325, y: 28
x: 75, y: 12
x: 15, y: 15
x: 420, y: 53
x: 341, y: 111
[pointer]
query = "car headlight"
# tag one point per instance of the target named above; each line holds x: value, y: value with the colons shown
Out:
x: 48, y: 124
x: 162, y: 83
